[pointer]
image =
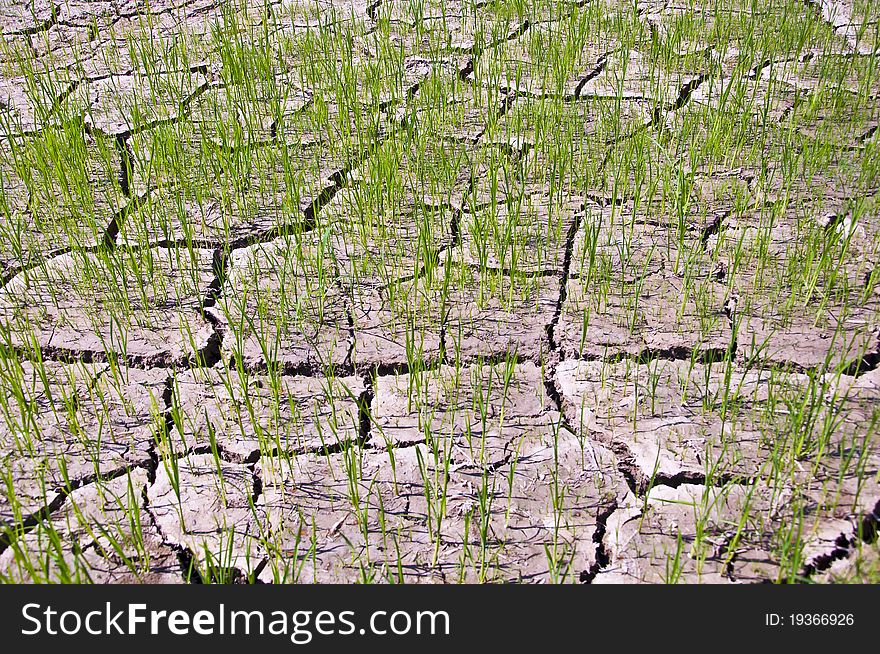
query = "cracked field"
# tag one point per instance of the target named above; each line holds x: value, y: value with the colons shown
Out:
x: 439, y: 291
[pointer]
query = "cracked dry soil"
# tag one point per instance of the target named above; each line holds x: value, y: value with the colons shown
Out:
x: 438, y: 291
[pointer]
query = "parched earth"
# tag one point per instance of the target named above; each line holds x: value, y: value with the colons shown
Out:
x: 439, y: 291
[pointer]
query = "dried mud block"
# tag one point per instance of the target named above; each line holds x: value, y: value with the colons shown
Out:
x: 27, y: 103
x: 169, y: 216
x: 525, y: 234
x: 376, y: 242
x: 209, y: 508
x: 544, y: 518
x: 26, y: 16
x: 314, y: 13
x: 255, y: 414
x: 716, y: 193
x: 412, y: 514
x: 68, y: 50
x: 843, y: 125
x: 700, y: 534
x: 672, y: 215
x: 533, y: 518
x: 610, y: 315
x: 673, y: 421
x: 854, y: 26
x: 465, y: 112
x: 564, y: 145
x: 59, y: 189
x: 659, y: 544
x: 145, y: 305
x: 100, y: 535
x: 808, y: 340
x: 668, y: 417
x: 499, y: 177
x: 676, y: 211
x: 732, y: 394
x: 452, y: 24
x: 120, y: 104
x: 842, y: 500
x: 15, y: 235
x: 522, y: 65
x: 840, y: 455
x: 15, y: 195
x: 480, y: 314
x: 630, y: 243
x: 94, y: 39
x: 844, y: 75
x: 831, y: 179
x: 440, y: 172
x: 101, y: 13
x: 107, y: 12
x: 342, y: 518
x: 738, y: 23
x: 431, y: 48
x: 71, y: 177
x: 765, y: 98
x: 430, y: 169
x: 393, y: 81
x: 383, y: 251
x: 261, y: 194
x: 231, y: 191
x: 396, y: 312
x: 491, y: 314
x: 479, y: 415
x: 683, y: 29
x: 840, y: 109
x: 396, y: 324
x: 16, y: 54
x: 282, y: 305
x: 862, y: 389
x: 376, y: 69
x: 858, y: 565
x: 250, y: 113
x: 633, y: 75
x: 325, y: 129
x: 98, y: 48
x: 590, y: 124
x: 77, y: 421
x: 652, y: 172
x: 792, y: 308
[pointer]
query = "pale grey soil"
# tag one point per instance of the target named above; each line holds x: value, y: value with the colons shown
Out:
x: 529, y: 443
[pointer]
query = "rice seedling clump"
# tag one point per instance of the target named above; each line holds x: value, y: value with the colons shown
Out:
x: 439, y: 291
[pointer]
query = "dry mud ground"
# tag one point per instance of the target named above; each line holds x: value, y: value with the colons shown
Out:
x: 439, y: 291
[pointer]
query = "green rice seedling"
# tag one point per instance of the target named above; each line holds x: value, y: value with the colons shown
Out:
x: 674, y: 563
x: 669, y: 212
